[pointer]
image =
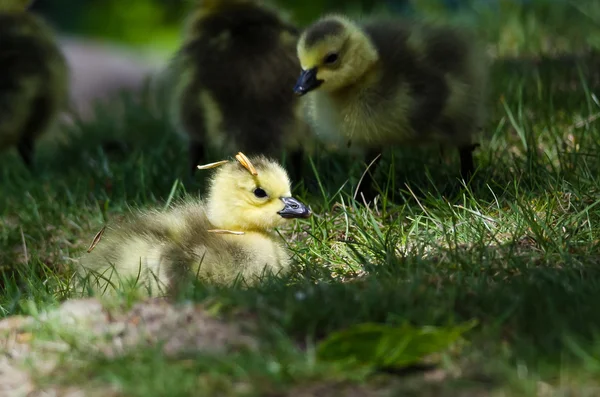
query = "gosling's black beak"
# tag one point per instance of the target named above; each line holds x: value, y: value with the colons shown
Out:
x: 294, y: 209
x: 307, y: 82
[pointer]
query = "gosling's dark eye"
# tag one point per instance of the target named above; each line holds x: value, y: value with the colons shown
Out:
x: 330, y: 58
x: 260, y: 193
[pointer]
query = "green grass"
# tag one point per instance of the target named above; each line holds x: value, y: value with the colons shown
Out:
x: 518, y: 251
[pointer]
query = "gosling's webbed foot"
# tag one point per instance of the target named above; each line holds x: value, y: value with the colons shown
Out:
x: 366, y: 192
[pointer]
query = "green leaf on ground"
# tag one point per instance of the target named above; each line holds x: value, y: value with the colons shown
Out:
x: 385, y: 346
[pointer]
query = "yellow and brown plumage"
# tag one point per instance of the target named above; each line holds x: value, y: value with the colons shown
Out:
x: 233, y: 79
x: 33, y: 78
x: 230, y: 233
x: 390, y: 82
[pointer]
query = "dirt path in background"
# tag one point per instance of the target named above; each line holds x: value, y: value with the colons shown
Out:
x: 99, y: 71
x: 34, y: 345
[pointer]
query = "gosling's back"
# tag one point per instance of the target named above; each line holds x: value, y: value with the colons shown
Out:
x: 442, y: 71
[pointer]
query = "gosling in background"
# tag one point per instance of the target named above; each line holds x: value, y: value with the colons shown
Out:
x: 228, y: 234
x: 233, y: 79
x: 33, y: 78
x: 391, y: 82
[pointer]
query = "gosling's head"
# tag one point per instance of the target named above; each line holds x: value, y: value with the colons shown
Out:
x: 15, y: 5
x: 252, y: 194
x: 334, y: 53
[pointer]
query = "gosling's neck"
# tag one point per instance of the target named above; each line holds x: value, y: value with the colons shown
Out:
x: 220, y: 217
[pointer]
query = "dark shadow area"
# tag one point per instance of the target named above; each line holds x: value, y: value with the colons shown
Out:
x: 529, y: 301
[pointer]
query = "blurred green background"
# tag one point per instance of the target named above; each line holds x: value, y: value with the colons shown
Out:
x: 515, y: 26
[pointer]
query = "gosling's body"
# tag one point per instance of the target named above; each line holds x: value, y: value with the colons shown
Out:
x: 233, y: 82
x: 161, y: 249
x: 392, y: 83
x: 33, y: 78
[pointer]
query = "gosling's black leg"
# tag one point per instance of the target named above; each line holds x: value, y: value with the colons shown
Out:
x: 296, y: 165
x: 25, y: 148
x: 195, y: 154
x: 38, y: 121
x: 367, y: 185
x: 467, y: 167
